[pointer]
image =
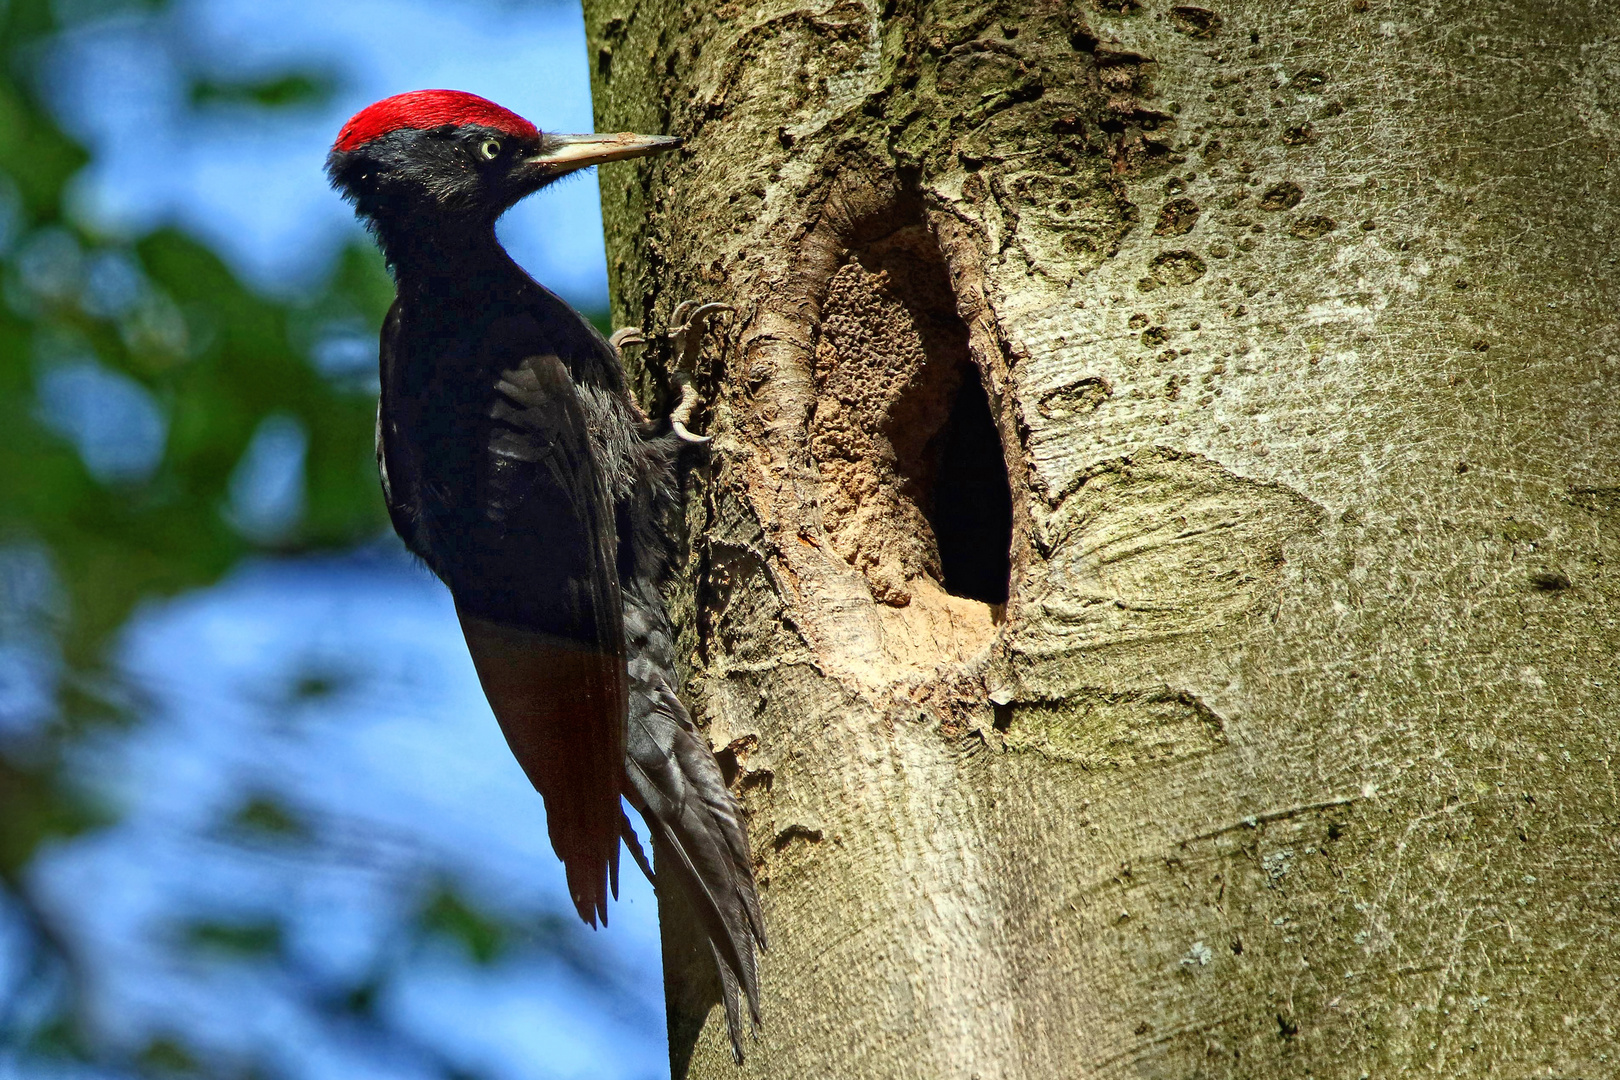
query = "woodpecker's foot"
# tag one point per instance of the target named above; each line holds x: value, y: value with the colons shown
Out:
x: 681, y: 415
x: 692, y: 319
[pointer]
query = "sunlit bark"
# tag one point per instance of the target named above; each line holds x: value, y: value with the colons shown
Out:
x: 1290, y: 752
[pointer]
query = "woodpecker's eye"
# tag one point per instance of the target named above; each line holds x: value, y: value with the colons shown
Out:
x: 490, y: 149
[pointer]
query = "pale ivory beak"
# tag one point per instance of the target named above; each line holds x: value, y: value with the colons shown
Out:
x: 560, y: 154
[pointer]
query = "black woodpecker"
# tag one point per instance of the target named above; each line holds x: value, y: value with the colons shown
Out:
x: 516, y: 464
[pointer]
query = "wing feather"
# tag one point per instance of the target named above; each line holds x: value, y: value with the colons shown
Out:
x: 539, y: 602
x: 491, y: 477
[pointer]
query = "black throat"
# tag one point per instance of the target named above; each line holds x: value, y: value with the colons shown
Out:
x: 444, y: 260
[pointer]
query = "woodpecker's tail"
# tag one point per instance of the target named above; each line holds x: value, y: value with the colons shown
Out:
x: 676, y: 784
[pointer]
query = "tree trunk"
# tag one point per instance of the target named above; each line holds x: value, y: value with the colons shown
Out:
x: 1289, y: 753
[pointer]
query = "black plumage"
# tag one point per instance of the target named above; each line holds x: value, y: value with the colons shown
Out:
x: 516, y: 465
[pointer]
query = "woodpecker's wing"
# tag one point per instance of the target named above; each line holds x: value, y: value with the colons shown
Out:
x: 538, y: 597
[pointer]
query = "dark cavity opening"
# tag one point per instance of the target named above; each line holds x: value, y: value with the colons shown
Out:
x: 971, y: 508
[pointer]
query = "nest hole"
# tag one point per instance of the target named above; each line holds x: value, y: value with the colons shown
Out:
x: 904, y: 433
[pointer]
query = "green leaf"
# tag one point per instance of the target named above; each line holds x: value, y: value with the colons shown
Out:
x: 58, y: 1037
x: 35, y: 806
x: 289, y: 90
x: 166, y: 1055
x: 35, y: 154
x: 240, y: 940
x: 447, y: 914
x: 267, y: 816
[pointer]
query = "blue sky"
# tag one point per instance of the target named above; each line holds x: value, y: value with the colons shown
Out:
x: 396, y: 770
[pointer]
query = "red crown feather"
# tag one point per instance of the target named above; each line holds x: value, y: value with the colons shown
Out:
x: 429, y: 109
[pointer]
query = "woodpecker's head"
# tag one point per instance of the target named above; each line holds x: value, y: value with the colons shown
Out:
x: 435, y: 158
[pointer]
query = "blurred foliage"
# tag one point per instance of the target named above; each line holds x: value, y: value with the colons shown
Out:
x: 265, y: 816
x: 162, y: 330
x: 449, y: 915
x: 258, y: 938
x: 33, y: 808
x: 298, y: 88
x: 167, y: 1056
x: 140, y: 384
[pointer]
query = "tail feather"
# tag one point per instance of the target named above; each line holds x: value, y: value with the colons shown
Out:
x: 676, y: 784
x: 633, y: 842
x: 728, y: 995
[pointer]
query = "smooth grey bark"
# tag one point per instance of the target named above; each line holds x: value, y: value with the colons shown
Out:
x: 1292, y: 751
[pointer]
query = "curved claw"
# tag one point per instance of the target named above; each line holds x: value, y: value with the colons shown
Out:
x: 702, y: 313
x: 682, y: 412
x: 627, y: 335
x: 686, y: 436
